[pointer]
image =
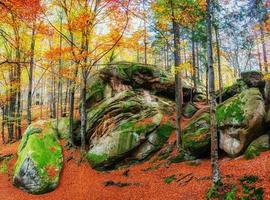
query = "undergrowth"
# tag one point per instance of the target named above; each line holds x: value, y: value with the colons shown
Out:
x: 248, y: 190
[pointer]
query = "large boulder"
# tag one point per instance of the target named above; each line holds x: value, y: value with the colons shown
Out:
x: 61, y: 127
x: 196, y: 135
x: 232, y: 90
x: 253, y: 79
x: 125, y: 75
x: 129, y: 123
x: 189, y: 109
x: 240, y: 120
x: 40, y: 160
x: 249, y: 79
x: 259, y: 145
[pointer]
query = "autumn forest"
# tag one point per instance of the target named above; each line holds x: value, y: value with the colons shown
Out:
x: 134, y: 99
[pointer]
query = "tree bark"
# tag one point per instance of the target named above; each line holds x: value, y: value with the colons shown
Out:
x: 3, y: 124
x: 213, y: 124
x: 178, y: 81
x: 194, y: 63
x: 145, y: 35
x: 263, y: 47
x: 219, y: 65
x: 30, y: 80
x: 259, y: 57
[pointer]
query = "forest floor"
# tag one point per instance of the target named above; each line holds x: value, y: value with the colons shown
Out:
x: 142, y: 181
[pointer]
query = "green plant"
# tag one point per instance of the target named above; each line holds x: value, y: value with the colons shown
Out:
x: 169, y: 179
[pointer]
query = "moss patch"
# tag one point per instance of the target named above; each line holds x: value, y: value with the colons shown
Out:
x: 196, y: 137
x: 44, y: 150
x: 256, y: 147
x: 231, y: 111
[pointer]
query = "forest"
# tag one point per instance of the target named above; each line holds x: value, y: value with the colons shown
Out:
x: 134, y: 99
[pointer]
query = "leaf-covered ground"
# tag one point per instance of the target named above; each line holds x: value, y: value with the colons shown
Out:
x: 157, y: 181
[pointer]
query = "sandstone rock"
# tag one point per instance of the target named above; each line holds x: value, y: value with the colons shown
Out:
x: 240, y: 120
x: 39, y: 163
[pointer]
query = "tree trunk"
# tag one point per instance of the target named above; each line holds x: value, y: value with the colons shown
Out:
x: 198, y: 62
x: 259, y: 57
x: 194, y: 63
x: 213, y: 124
x: 178, y: 81
x: 60, y: 96
x: 3, y: 124
x: 12, y: 101
x: 83, y: 110
x: 219, y: 65
x: 30, y: 80
x: 263, y: 47
x: 145, y: 35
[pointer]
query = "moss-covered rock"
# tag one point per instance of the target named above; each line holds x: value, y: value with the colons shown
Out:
x: 232, y: 90
x: 148, y: 77
x: 196, y: 135
x: 61, y: 127
x: 40, y: 160
x: 257, y: 146
x: 125, y: 123
x: 240, y: 120
x: 253, y: 79
x: 189, y: 110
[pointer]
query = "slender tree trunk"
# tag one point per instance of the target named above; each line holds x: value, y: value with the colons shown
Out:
x: 259, y: 57
x: 194, y: 63
x: 263, y: 47
x: 12, y: 101
x: 145, y: 35
x: 213, y: 124
x: 83, y: 110
x: 60, y: 96
x: 198, y: 62
x: 178, y: 81
x: 3, y: 124
x: 30, y: 80
x: 66, y: 99
x: 185, y: 60
x: 219, y: 65
x: 41, y: 99
x: 53, y: 103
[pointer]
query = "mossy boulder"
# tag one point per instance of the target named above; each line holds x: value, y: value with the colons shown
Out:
x: 61, y: 127
x: 189, y: 110
x: 196, y: 136
x: 40, y: 160
x: 232, y: 90
x: 126, y: 75
x: 249, y: 79
x: 253, y: 79
x: 259, y: 145
x: 240, y: 119
x: 129, y: 123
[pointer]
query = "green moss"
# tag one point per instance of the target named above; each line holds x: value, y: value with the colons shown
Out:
x: 129, y: 70
x: 129, y: 106
x: 165, y: 130
x: 45, y: 152
x: 251, y: 153
x: 231, y: 111
x: 196, y: 136
x: 96, y: 91
x: 259, y: 145
x: 4, y: 166
x: 180, y: 157
x: 29, y: 131
x: 127, y: 140
x: 95, y: 159
x: 169, y: 179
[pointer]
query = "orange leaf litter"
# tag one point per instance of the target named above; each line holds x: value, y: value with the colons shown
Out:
x: 80, y: 182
